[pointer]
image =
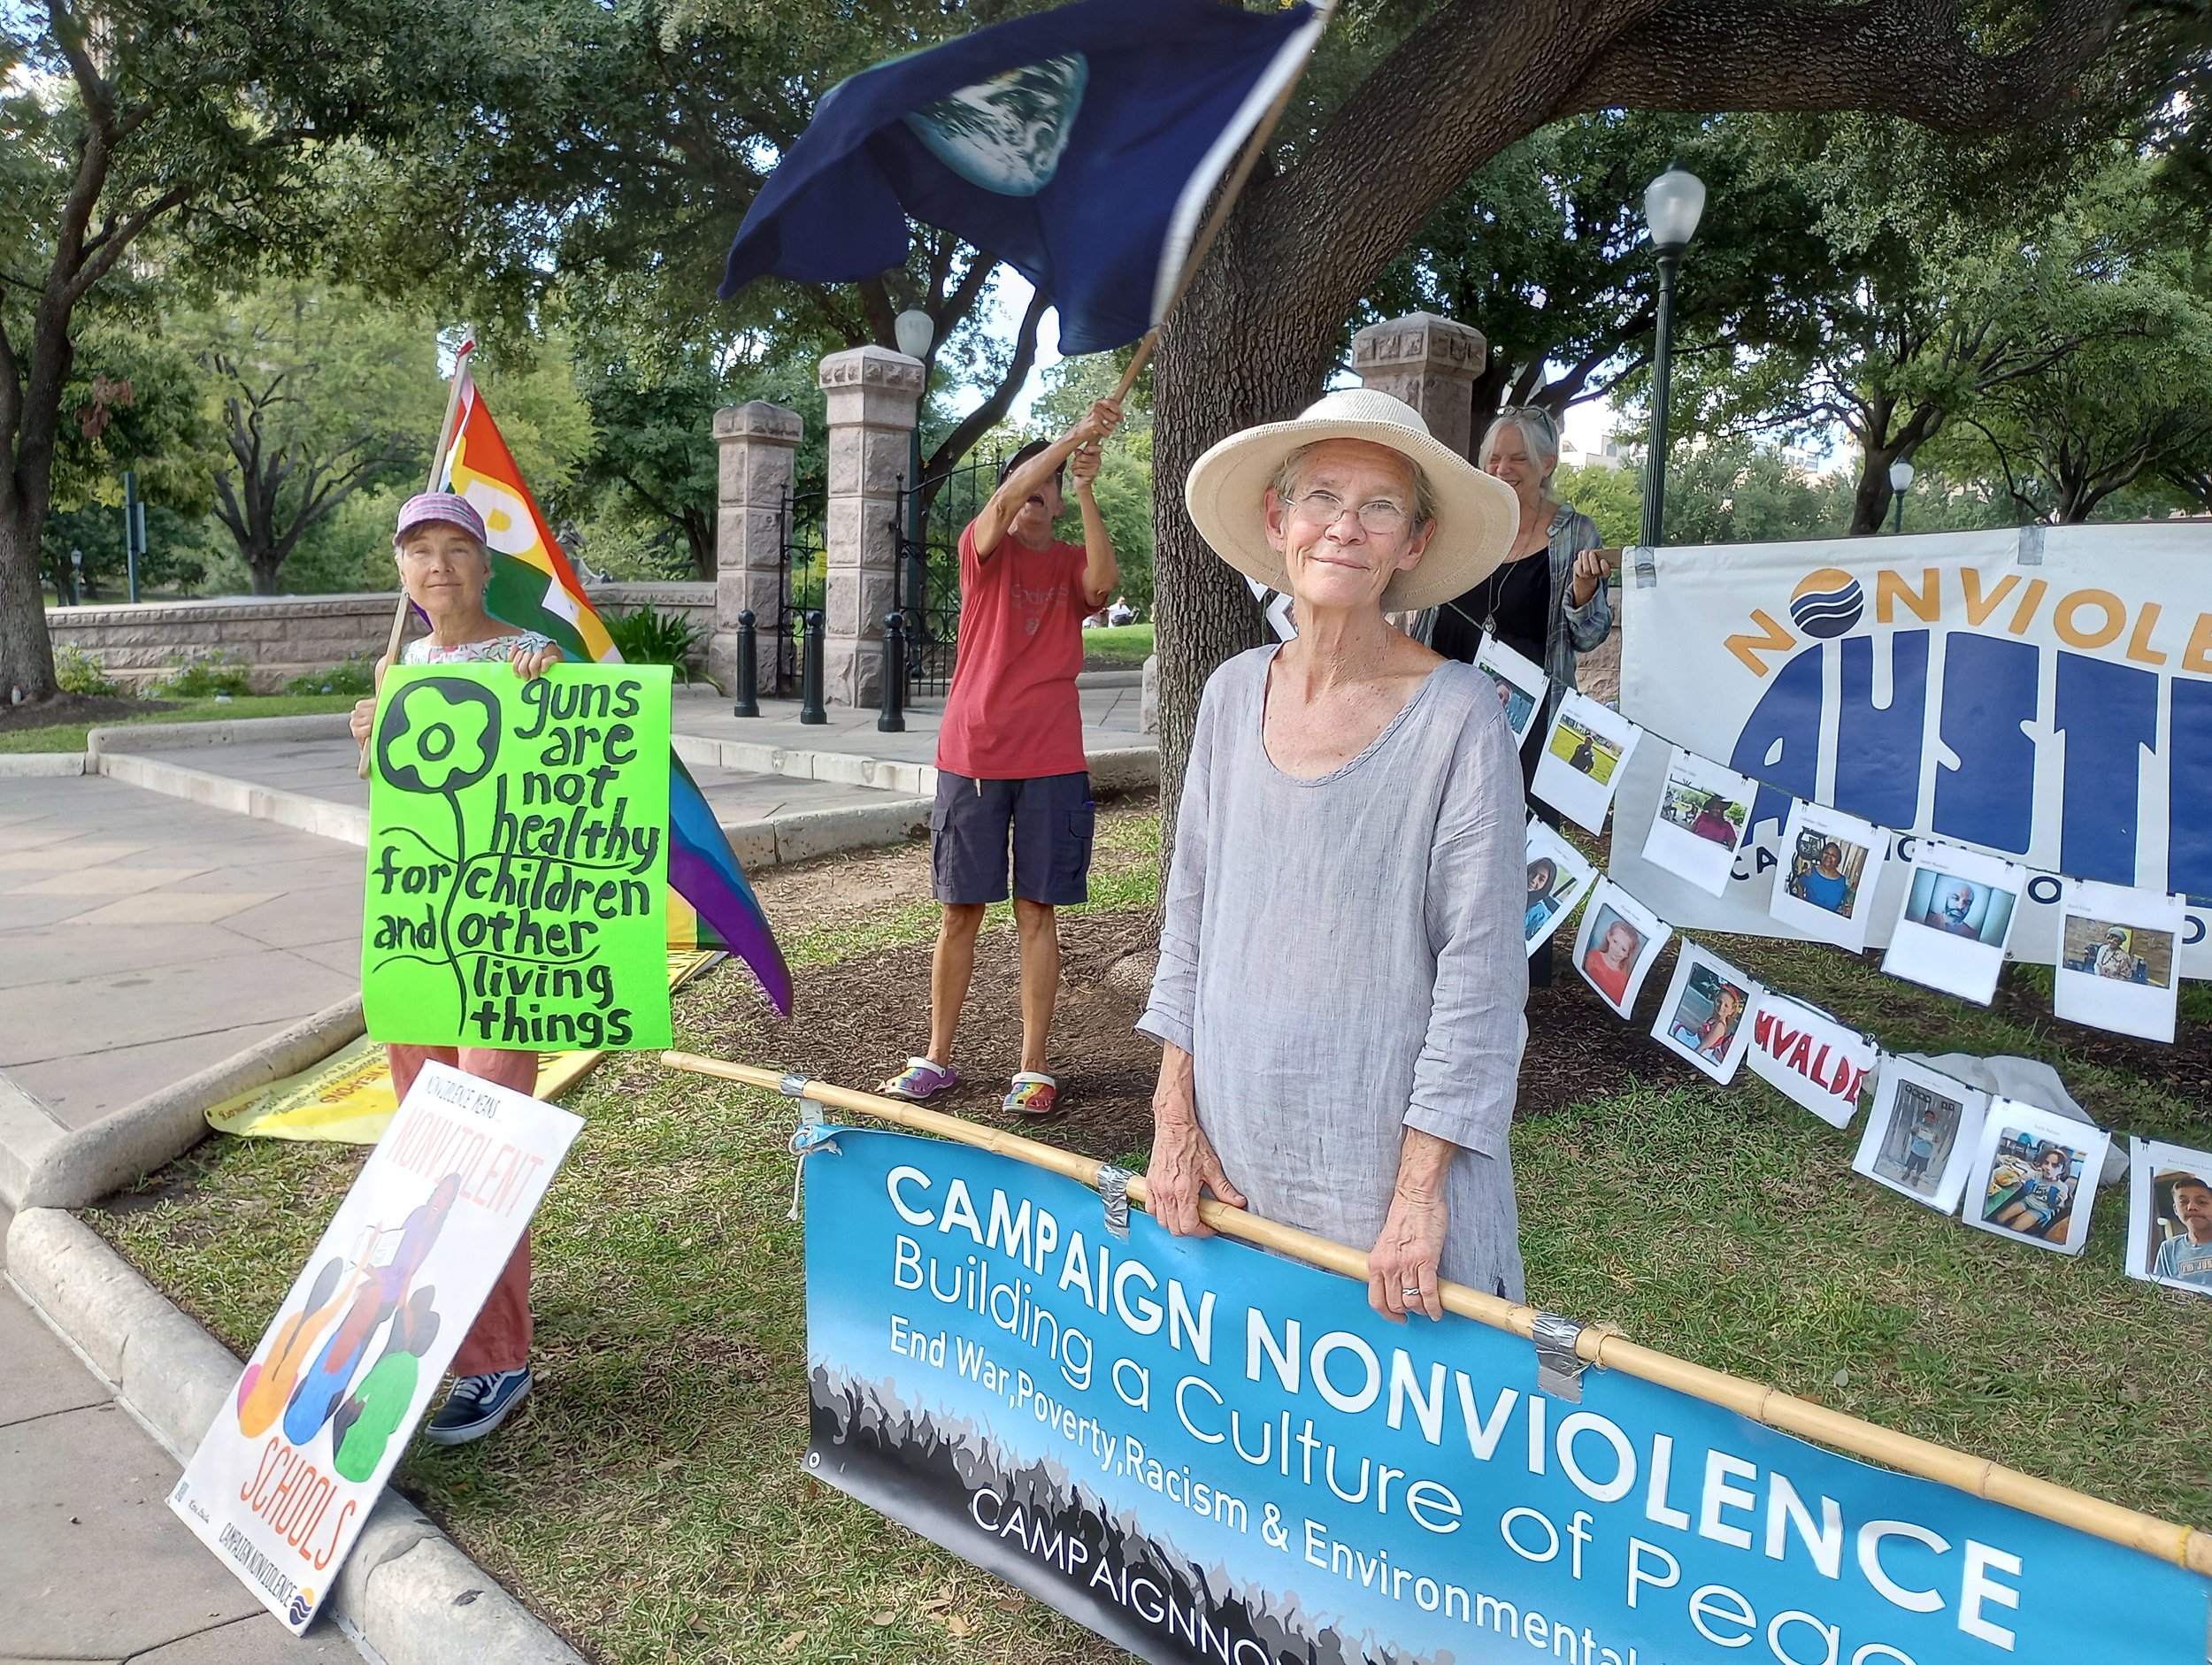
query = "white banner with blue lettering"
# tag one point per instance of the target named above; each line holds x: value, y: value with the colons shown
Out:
x: 1209, y: 1454
x: 2044, y: 693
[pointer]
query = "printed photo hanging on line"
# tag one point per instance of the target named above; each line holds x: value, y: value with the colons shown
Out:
x: 1558, y: 874
x: 1707, y: 1015
x: 1704, y: 812
x: 1521, y: 684
x: 2170, y: 1216
x: 1955, y: 920
x: 1619, y: 944
x: 2116, y: 958
x: 1824, y: 883
x: 2035, y: 1175
x: 1921, y: 1134
x: 1584, y: 756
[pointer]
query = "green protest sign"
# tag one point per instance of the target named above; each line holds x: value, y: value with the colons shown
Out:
x: 518, y: 881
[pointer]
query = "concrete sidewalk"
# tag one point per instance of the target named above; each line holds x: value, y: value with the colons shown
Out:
x: 93, y: 1565
x: 148, y: 939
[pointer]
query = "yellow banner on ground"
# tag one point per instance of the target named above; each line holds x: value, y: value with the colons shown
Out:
x: 347, y: 1099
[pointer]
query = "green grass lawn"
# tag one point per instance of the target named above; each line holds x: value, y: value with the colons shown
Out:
x: 69, y: 737
x: 652, y: 1504
x: 1124, y: 644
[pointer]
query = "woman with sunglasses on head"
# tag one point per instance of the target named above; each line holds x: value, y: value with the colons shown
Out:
x: 1546, y: 601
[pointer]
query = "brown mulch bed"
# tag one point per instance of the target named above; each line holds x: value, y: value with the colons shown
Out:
x: 860, y: 1016
x: 75, y: 708
x: 2184, y: 1066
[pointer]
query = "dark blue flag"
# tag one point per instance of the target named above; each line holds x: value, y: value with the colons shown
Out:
x: 1077, y: 145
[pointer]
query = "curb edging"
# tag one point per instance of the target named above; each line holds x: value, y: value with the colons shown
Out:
x: 41, y: 765
x: 407, y: 1589
x: 69, y: 1168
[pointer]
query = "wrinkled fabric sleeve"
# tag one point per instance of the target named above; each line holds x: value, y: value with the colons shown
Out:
x: 1589, y: 624
x: 1171, y: 1012
x: 1466, y: 1078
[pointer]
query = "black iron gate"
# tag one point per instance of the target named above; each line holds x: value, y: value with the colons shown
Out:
x: 929, y: 527
x: 799, y: 587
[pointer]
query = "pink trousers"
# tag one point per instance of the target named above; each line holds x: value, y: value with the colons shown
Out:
x: 501, y: 1338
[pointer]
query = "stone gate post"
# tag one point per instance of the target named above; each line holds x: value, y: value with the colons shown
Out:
x: 756, y: 442
x: 1431, y: 364
x: 874, y: 398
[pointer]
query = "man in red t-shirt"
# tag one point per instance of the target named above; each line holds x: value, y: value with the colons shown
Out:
x: 1010, y: 770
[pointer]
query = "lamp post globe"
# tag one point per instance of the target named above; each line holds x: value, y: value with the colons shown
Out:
x: 1900, y: 473
x: 914, y: 330
x: 1673, y: 203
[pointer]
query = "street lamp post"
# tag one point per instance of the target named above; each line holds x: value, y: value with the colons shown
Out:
x: 1900, y: 473
x: 914, y: 330
x: 1672, y: 203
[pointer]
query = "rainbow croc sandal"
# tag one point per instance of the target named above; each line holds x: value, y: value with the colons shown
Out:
x: 1032, y: 1094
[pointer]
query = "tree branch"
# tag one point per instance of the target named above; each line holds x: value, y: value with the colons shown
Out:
x: 1900, y: 57
x: 987, y: 415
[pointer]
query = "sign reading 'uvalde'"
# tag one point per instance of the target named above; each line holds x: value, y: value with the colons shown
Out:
x: 1209, y: 1454
x: 517, y: 878
x: 283, y: 1482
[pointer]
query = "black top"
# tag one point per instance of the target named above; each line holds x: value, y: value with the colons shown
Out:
x: 1513, y: 604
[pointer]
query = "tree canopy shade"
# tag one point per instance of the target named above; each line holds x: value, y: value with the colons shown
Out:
x: 1358, y: 177
x: 313, y: 393
x: 169, y: 135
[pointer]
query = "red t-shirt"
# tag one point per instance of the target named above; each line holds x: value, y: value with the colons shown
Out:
x: 1012, y: 713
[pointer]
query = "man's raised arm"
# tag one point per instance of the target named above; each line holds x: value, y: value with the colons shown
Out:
x: 1029, y: 479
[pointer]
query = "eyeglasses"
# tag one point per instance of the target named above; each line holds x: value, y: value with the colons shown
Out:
x: 1378, y: 514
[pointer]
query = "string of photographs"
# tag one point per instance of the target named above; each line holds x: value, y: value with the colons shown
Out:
x: 2116, y: 962
x: 2015, y: 1168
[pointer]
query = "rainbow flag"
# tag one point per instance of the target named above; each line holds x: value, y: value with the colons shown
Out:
x: 534, y: 587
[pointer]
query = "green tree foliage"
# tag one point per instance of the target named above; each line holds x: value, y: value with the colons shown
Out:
x: 170, y: 138
x: 1124, y: 477
x: 313, y: 393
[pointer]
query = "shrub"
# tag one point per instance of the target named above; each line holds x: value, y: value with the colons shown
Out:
x: 646, y: 637
x: 77, y: 671
x: 219, y: 673
x: 356, y: 676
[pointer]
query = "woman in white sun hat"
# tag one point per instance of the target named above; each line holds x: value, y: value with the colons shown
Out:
x: 1341, y: 966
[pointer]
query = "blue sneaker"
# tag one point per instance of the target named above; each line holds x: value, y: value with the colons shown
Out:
x: 477, y: 1404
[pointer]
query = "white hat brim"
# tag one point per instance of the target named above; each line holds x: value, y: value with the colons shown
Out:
x: 1478, y: 516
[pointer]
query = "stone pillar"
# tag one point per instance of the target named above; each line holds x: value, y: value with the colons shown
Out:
x: 1431, y: 364
x: 874, y: 397
x: 757, y: 442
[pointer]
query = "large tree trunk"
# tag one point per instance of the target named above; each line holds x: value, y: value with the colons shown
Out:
x: 1870, y: 501
x: 262, y: 564
x: 26, y: 653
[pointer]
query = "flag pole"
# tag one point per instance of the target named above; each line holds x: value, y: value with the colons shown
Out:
x: 437, y: 467
x: 1202, y: 244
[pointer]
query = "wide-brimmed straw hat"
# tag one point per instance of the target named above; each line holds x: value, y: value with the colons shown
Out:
x: 1477, y: 515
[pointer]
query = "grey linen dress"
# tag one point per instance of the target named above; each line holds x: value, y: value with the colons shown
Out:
x: 1342, y: 958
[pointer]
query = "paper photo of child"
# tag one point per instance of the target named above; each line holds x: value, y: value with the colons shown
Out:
x: 1706, y: 1017
x: 2035, y: 1175
x: 2170, y: 1216
x: 1920, y: 1133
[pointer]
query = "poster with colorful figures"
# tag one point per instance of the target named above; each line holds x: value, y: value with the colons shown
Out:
x: 284, y: 1480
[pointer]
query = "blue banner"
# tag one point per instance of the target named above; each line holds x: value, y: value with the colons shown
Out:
x: 1209, y: 1454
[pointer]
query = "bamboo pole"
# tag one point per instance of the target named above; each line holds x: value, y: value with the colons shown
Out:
x: 437, y: 467
x: 1977, y: 1477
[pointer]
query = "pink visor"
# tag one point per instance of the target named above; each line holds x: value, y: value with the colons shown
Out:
x: 448, y: 506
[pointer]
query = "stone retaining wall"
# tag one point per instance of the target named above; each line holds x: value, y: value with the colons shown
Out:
x: 281, y: 637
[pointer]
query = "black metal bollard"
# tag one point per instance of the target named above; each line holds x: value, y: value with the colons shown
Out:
x: 748, y: 667
x: 892, y: 718
x: 811, y: 672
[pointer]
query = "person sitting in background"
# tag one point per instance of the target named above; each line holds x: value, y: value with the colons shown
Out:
x: 1010, y: 750
x: 1338, y: 995
x: 1121, y: 613
x: 445, y: 565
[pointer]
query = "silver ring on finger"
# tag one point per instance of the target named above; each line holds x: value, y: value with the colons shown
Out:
x: 1410, y: 1294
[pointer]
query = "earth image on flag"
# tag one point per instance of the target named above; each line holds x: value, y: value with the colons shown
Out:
x: 1007, y: 134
